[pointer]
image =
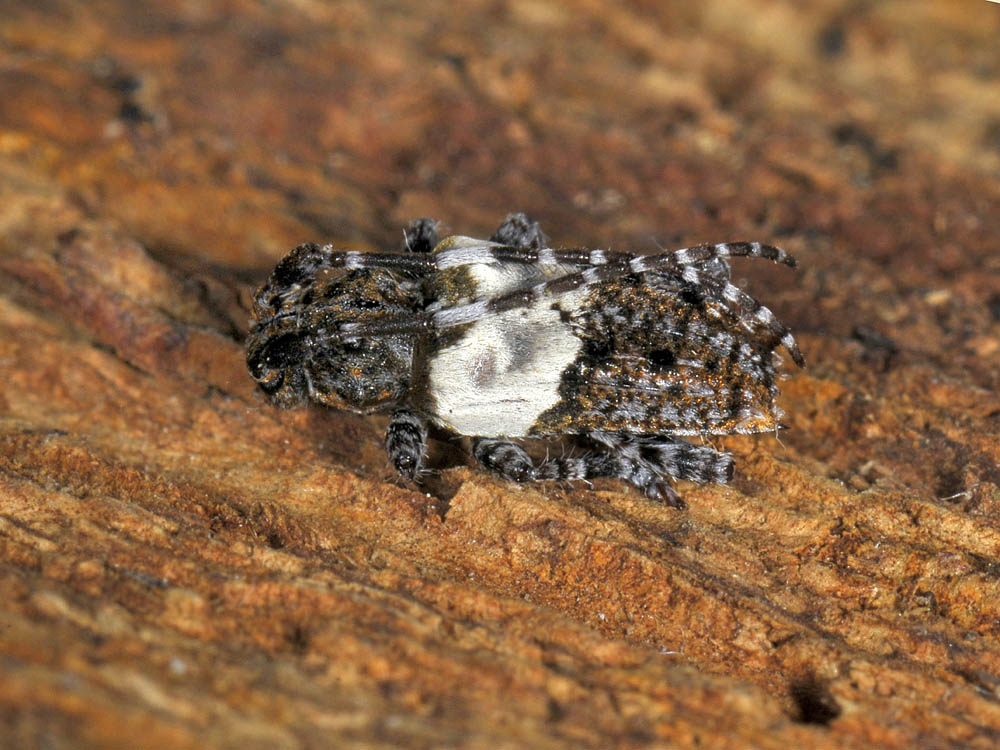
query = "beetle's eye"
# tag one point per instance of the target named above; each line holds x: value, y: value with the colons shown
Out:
x: 278, y: 353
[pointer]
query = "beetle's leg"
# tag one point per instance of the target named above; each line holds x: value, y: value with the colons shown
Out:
x: 518, y: 230
x: 406, y: 443
x: 420, y: 236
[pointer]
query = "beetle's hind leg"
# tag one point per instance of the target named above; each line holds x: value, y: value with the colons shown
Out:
x: 510, y: 461
x: 420, y: 236
x: 647, y: 461
x: 517, y: 230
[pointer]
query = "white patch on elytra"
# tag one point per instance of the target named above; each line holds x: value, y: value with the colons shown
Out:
x: 460, y: 251
x: 504, y: 371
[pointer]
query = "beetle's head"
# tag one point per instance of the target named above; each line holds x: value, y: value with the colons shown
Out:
x: 299, y: 351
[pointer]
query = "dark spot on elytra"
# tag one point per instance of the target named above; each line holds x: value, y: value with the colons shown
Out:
x: 662, y: 359
x: 650, y: 454
x: 691, y: 296
x: 564, y: 315
x: 598, y: 349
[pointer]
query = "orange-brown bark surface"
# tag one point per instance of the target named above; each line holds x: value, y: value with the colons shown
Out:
x: 183, y: 566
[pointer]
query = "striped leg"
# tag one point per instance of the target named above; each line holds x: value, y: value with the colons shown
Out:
x: 510, y: 461
x: 646, y: 461
x: 517, y: 230
x: 420, y: 236
x: 406, y: 443
x: 504, y: 458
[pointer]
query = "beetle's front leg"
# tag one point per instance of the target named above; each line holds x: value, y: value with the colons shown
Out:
x: 406, y: 443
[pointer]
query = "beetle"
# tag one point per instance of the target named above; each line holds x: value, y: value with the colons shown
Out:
x: 507, y: 339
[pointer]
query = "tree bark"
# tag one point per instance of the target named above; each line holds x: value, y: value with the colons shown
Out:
x: 183, y: 566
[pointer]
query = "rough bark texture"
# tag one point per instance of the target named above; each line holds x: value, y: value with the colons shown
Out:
x: 182, y: 566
